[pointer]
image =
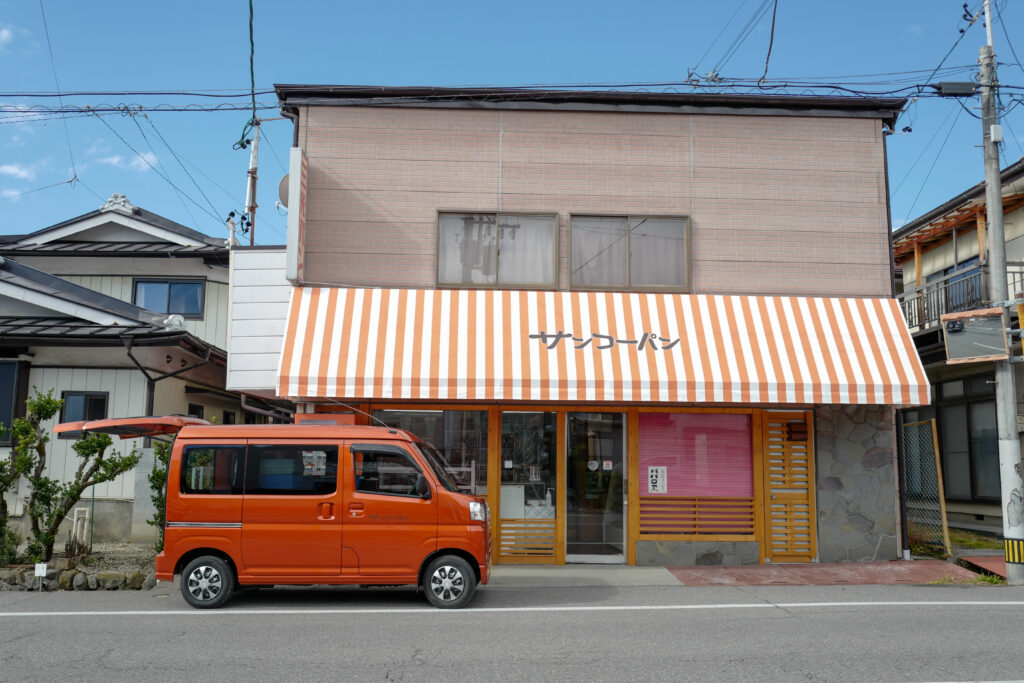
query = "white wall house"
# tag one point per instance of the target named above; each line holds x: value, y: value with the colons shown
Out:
x: 120, y: 312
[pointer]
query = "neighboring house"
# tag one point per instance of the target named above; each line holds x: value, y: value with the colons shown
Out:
x: 649, y: 328
x: 121, y: 313
x: 943, y: 256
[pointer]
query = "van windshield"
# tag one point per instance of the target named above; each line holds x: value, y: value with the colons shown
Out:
x: 437, y: 463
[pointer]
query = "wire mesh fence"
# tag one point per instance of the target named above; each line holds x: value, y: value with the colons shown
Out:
x: 922, y: 476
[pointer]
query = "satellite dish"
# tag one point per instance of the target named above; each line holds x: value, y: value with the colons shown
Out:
x: 282, y: 191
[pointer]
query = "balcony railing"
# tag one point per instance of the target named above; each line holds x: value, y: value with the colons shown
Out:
x: 964, y: 290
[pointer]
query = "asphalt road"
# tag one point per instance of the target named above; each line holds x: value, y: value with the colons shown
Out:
x: 891, y: 633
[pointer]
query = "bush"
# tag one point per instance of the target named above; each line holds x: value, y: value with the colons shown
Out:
x: 157, y: 485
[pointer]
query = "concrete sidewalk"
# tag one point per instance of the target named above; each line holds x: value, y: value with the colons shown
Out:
x: 844, y: 573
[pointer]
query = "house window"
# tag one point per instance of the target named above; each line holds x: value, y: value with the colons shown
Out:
x: 195, y: 410
x: 184, y: 297
x: 630, y: 252
x: 228, y: 418
x: 490, y: 250
x: 82, y: 405
x: 8, y: 399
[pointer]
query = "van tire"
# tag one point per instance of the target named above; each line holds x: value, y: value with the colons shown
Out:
x: 207, y: 582
x: 449, y: 582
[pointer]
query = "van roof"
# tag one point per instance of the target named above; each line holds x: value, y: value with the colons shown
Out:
x: 292, y: 431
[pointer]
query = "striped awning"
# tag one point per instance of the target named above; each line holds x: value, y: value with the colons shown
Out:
x: 589, y: 346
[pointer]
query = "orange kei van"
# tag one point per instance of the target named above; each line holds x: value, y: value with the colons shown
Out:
x: 264, y: 505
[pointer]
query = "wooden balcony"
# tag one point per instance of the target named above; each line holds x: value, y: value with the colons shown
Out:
x: 964, y: 290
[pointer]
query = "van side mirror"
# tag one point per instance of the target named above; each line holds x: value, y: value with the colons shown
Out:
x: 422, y: 487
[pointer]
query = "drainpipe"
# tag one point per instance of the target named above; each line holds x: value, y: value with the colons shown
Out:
x: 279, y: 414
x: 293, y: 114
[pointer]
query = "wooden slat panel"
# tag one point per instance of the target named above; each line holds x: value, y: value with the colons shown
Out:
x: 790, y: 523
x: 524, y: 538
x: 684, y: 515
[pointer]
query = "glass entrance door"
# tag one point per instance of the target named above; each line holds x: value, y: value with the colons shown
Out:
x: 527, y: 508
x: 595, y: 487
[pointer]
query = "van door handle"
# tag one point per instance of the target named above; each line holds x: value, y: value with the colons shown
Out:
x: 326, y: 511
x: 355, y: 510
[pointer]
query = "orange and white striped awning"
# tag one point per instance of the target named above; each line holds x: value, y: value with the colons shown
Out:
x: 492, y: 345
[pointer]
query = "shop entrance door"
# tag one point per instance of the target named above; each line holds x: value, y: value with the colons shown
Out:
x: 595, y: 488
x: 527, y: 506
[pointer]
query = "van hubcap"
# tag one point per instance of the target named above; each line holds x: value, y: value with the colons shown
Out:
x: 447, y: 583
x: 204, y: 583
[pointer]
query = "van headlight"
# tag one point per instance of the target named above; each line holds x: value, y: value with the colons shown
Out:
x: 477, y: 511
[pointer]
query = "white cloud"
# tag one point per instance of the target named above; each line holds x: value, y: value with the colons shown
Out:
x: 17, y: 171
x: 6, y: 36
x: 913, y: 31
x: 144, y: 162
x: 13, y: 195
x: 136, y: 163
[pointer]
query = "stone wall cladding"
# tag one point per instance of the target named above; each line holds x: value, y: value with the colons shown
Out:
x: 696, y: 553
x: 63, y: 575
x: 778, y: 205
x: 855, y: 469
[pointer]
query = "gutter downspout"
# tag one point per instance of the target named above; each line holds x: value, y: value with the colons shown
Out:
x: 291, y: 112
x: 901, y: 493
x: 280, y: 414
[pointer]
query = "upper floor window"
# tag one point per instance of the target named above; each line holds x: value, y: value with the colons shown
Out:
x: 497, y: 249
x: 630, y: 252
x: 184, y: 297
x: 82, y: 406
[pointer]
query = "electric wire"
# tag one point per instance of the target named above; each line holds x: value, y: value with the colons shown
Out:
x: 715, y: 41
x: 174, y: 154
x: 932, y: 167
x: 166, y: 179
x: 1009, y: 43
x: 56, y: 81
x: 925, y: 148
x: 771, y: 41
x: 243, y: 141
x: 164, y: 174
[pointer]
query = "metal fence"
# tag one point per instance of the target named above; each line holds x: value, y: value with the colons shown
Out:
x: 922, y: 477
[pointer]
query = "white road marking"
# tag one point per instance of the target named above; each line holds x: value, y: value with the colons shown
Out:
x: 596, y: 608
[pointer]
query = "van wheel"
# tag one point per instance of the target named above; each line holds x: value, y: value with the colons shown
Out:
x: 449, y: 582
x: 207, y: 582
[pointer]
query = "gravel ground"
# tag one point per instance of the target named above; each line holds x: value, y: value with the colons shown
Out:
x: 118, y: 557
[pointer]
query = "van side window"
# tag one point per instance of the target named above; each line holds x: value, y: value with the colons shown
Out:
x: 212, y: 469
x: 292, y: 470
x: 384, y: 470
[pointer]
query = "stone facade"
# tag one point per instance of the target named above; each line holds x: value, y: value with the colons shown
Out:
x: 855, y: 466
x: 695, y: 553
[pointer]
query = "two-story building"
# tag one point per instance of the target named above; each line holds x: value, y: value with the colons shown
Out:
x: 943, y: 257
x: 649, y: 328
x: 119, y: 312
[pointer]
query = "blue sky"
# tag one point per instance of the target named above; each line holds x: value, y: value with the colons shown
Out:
x: 114, y: 45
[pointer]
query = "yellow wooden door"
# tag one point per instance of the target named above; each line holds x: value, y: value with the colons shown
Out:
x: 790, y: 533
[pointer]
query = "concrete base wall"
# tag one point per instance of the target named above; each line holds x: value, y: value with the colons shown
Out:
x: 855, y: 467
x: 696, y: 553
x: 113, y: 522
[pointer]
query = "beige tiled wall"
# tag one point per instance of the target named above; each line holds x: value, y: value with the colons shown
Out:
x: 781, y: 205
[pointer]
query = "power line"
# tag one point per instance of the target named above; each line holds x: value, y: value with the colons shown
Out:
x: 771, y: 41
x: 166, y: 179
x: 53, y: 65
x: 157, y: 157
x: 178, y: 159
x: 924, y: 149
x: 932, y: 168
x: 715, y: 41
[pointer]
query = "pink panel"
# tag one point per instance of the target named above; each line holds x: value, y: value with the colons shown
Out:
x: 704, y: 454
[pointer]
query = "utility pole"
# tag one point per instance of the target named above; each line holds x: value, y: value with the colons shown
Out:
x: 250, y: 188
x: 1012, y: 485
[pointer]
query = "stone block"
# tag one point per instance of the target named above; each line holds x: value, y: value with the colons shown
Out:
x: 149, y: 583
x: 7, y: 576
x: 862, y: 433
x: 135, y: 581
x: 92, y: 583
x: 877, y: 457
x: 62, y: 564
x: 80, y: 582
x: 830, y: 484
x: 111, y: 581
x: 67, y: 578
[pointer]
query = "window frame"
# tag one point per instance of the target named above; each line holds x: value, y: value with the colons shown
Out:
x: 498, y: 284
x: 85, y: 394
x: 172, y: 281
x: 390, y: 449
x: 687, y: 246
